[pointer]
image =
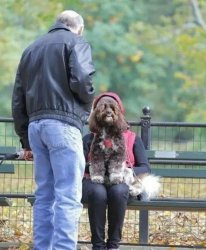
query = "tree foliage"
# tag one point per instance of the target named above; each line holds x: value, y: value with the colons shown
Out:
x: 152, y: 53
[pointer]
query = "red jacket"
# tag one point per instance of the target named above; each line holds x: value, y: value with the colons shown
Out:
x: 129, y: 138
x: 136, y: 154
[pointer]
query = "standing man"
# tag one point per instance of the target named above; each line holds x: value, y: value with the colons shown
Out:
x: 51, y: 101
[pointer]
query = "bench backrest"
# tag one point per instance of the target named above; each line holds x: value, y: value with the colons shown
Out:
x: 156, y: 158
x: 177, y: 158
x: 6, y: 168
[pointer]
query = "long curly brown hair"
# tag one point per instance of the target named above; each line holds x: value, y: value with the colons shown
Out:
x: 107, y: 115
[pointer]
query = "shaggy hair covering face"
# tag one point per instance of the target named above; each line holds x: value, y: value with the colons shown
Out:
x: 108, y: 147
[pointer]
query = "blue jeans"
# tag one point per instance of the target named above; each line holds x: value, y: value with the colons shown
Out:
x: 59, y: 166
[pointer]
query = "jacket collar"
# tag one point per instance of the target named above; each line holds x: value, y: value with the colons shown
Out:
x: 57, y: 26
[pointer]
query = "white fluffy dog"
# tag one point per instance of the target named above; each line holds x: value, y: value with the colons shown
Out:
x: 148, y: 185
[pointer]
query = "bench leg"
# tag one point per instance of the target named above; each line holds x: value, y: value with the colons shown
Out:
x: 143, y: 227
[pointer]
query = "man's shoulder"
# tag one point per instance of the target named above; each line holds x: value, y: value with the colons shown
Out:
x: 36, y: 42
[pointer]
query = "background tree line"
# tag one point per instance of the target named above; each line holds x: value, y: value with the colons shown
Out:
x: 152, y: 53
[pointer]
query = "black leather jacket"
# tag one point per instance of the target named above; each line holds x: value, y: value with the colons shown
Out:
x: 53, y: 80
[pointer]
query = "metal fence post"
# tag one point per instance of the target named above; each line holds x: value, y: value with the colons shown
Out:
x: 145, y: 127
x: 146, y: 138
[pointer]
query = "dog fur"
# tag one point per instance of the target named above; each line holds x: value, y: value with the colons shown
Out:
x: 108, y: 153
x: 148, y: 185
x: 108, y: 124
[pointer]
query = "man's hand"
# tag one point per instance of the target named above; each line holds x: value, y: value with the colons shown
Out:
x: 28, y: 156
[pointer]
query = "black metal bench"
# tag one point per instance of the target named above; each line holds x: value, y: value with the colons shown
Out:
x: 175, y: 158
x: 161, y: 162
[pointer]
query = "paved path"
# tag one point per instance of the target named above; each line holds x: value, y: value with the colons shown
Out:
x: 15, y: 246
x: 88, y: 247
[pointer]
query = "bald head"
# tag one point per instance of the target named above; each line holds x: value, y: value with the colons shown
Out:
x: 72, y: 20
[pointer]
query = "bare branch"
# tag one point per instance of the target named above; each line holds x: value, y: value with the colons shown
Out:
x: 198, y: 19
x: 197, y: 14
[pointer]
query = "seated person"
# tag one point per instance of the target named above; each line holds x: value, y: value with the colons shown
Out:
x: 113, y: 199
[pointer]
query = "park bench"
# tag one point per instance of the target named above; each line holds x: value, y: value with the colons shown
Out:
x: 166, y: 164
x: 6, y: 168
x: 175, y: 159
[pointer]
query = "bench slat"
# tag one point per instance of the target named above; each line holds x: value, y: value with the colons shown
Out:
x: 172, y: 205
x: 177, y: 162
x: 7, y: 169
x: 163, y: 204
x: 4, y: 201
x: 179, y: 172
x: 180, y: 155
x: 7, y: 150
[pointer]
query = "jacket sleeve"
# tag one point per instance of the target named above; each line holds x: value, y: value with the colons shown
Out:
x: 81, y: 70
x: 19, y: 111
x: 142, y: 163
x: 87, y: 141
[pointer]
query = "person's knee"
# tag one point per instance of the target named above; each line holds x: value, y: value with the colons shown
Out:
x: 97, y: 193
x: 119, y: 192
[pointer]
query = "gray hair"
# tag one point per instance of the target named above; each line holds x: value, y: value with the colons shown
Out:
x: 72, y: 19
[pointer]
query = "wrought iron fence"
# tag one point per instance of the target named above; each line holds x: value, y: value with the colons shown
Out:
x: 166, y: 228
